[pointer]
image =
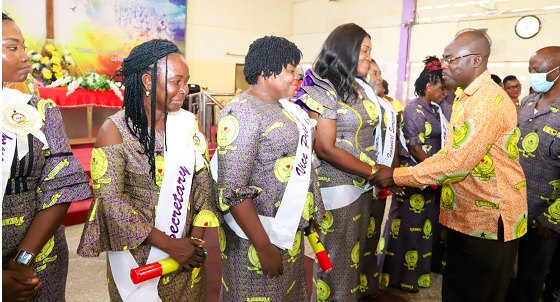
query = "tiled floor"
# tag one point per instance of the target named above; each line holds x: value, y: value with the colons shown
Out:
x: 87, y: 280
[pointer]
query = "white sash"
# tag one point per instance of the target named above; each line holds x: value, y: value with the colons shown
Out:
x: 442, y: 123
x: 282, y: 228
x: 340, y: 196
x: 385, y: 148
x: 8, y: 151
x: 179, y: 168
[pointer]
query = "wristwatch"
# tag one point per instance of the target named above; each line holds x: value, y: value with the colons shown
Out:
x: 374, y: 169
x: 24, y: 258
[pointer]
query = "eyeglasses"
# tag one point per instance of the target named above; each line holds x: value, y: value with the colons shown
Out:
x: 513, y: 87
x: 448, y: 61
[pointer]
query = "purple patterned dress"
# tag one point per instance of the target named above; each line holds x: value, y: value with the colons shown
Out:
x: 123, y: 212
x: 413, y: 217
x: 350, y: 234
x: 41, y: 179
x: 257, y: 143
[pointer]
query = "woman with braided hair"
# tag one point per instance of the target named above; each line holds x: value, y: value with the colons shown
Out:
x: 413, y: 219
x: 150, y: 156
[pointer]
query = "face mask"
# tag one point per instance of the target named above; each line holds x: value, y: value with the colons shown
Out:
x: 539, y: 82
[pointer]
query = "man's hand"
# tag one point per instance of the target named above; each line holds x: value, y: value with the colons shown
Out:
x: 19, y: 283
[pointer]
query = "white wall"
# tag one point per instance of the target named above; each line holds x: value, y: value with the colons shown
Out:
x: 217, y: 27
x: 315, y: 19
x: 439, y: 20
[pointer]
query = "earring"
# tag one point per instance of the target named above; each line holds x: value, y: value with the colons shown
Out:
x: 147, y: 93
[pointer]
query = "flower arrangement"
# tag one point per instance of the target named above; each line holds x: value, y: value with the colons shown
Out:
x: 51, y: 66
x: 94, y: 81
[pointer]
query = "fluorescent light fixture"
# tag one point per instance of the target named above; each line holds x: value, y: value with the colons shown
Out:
x: 551, y: 7
x: 462, y: 4
x: 478, y: 14
x: 460, y: 16
x: 425, y: 7
x: 496, y: 65
x: 521, y: 10
x: 521, y: 78
x: 520, y: 64
x: 423, y: 19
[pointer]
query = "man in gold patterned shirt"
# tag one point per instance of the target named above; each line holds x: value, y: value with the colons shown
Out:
x: 484, y: 199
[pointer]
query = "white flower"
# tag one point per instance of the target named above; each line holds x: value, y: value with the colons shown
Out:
x: 66, y: 52
x: 35, y: 65
x: 36, y: 57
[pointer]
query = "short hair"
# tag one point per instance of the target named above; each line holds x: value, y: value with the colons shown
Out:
x: 5, y: 17
x: 141, y: 60
x: 432, y: 73
x: 267, y: 56
x: 385, y: 87
x: 509, y: 78
x: 496, y: 79
x: 338, y: 59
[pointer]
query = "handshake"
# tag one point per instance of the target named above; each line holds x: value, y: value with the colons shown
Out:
x: 382, y: 177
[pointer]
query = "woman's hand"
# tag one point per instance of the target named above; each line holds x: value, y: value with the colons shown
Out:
x: 19, y: 283
x: 271, y: 260
x: 187, y: 251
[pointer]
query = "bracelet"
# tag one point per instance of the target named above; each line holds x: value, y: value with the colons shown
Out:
x: 374, y: 169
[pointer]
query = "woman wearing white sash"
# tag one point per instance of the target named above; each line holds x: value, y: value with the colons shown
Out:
x: 40, y: 178
x: 347, y: 119
x: 152, y: 194
x: 413, y: 247
x: 264, y: 142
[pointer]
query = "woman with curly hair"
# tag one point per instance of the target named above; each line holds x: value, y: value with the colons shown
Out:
x: 267, y: 187
x: 413, y: 218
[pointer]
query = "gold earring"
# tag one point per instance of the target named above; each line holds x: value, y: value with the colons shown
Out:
x: 147, y: 93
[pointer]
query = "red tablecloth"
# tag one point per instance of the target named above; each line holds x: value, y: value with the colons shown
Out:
x: 81, y: 97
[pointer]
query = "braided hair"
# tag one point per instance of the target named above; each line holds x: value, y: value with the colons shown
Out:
x: 338, y: 59
x: 144, y: 59
x: 432, y: 73
x: 267, y: 56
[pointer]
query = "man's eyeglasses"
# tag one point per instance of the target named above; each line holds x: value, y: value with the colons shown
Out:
x: 518, y: 86
x: 448, y: 61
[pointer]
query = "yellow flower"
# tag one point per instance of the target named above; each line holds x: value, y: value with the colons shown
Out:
x: 47, y: 74
x: 44, y: 60
x: 56, y: 59
x: 56, y: 67
x: 59, y: 75
x: 50, y: 48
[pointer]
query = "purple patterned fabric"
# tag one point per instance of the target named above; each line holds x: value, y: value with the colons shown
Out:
x: 413, y: 218
x: 123, y: 212
x: 28, y: 191
x: 257, y: 144
x: 349, y: 234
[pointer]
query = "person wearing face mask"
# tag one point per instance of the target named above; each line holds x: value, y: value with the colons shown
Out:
x: 40, y: 178
x: 153, y: 191
x: 413, y: 218
x: 348, y: 117
x: 539, y: 145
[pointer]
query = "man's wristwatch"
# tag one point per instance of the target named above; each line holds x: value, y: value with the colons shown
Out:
x: 24, y: 258
x: 374, y: 169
